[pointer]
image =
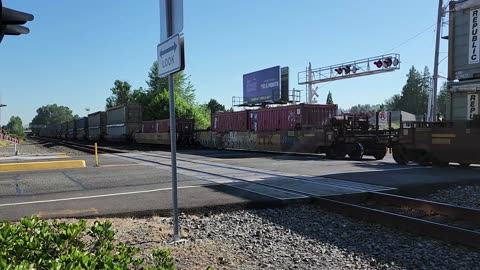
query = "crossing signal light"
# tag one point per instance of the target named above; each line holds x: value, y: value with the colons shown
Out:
x: 378, y: 63
x: 339, y: 70
x: 347, y: 69
x: 387, y: 62
x: 396, y: 62
x: 11, y: 22
x: 354, y: 69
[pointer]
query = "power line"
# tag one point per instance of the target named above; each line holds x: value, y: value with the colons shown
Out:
x: 406, y: 41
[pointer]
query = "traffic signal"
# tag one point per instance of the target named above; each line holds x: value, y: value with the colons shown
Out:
x: 347, y: 69
x: 339, y: 70
x: 11, y: 22
x: 378, y: 63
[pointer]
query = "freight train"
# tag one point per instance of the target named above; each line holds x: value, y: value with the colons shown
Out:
x: 304, y: 128
x: 121, y: 124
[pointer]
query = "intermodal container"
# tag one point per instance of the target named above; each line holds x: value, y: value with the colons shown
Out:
x: 81, y: 126
x: 149, y: 126
x: 230, y: 121
x: 291, y: 117
x: 63, y: 130
x: 97, y: 123
x: 71, y: 129
x: 122, y: 131
x: 81, y: 123
x: 184, y: 126
x: 128, y: 113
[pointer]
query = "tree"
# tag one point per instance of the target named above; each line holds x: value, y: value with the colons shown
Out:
x: 201, y: 114
x: 393, y: 103
x: 214, y: 106
x: 329, y: 98
x: 15, y: 126
x: 121, y: 94
x: 52, y: 114
x: 414, y: 96
x: 155, y: 99
x: 443, y: 100
x: 181, y: 84
x: 366, y: 108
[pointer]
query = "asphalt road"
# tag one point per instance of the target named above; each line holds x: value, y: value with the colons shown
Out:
x: 140, y: 182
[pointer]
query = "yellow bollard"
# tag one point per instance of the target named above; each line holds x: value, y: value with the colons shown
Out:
x: 96, y: 155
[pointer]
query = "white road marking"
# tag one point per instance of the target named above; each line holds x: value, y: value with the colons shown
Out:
x: 98, y: 196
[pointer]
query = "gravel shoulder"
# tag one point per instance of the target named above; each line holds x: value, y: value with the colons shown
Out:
x: 296, y: 237
x: 465, y: 196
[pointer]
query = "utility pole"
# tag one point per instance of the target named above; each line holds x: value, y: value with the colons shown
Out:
x: 432, y: 108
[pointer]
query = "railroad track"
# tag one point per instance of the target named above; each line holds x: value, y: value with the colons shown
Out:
x: 447, y: 222
x: 107, y: 147
x: 451, y: 223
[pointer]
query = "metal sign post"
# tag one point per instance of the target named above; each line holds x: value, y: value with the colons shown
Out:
x: 171, y: 60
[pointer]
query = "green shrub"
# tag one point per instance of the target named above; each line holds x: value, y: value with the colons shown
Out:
x: 37, y: 244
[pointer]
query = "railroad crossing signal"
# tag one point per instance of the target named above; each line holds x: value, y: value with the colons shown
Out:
x: 368, y: 66
x: 11, y: 22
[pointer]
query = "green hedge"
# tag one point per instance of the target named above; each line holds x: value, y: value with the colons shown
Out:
x: 37, y: 244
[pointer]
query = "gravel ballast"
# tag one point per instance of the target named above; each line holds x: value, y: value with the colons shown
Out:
x: 465, y: 196
x: 33, y: 147
x: 296, y: 237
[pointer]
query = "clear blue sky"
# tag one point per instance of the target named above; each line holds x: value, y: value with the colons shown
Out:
x: 76, y: 49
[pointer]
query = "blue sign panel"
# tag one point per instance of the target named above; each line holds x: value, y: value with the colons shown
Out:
x: 262, y: 86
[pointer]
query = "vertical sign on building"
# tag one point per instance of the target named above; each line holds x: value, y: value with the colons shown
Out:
x: 473, y: 50
x: 472, y: 106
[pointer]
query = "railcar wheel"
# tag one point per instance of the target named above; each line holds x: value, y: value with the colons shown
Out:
x: 380, y: 154
x: 399, y: 156
x: 357, y: 152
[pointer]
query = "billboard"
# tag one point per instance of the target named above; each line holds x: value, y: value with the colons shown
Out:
x: 262, y: 86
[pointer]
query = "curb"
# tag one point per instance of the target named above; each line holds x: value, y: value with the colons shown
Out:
x: 42, y: 165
